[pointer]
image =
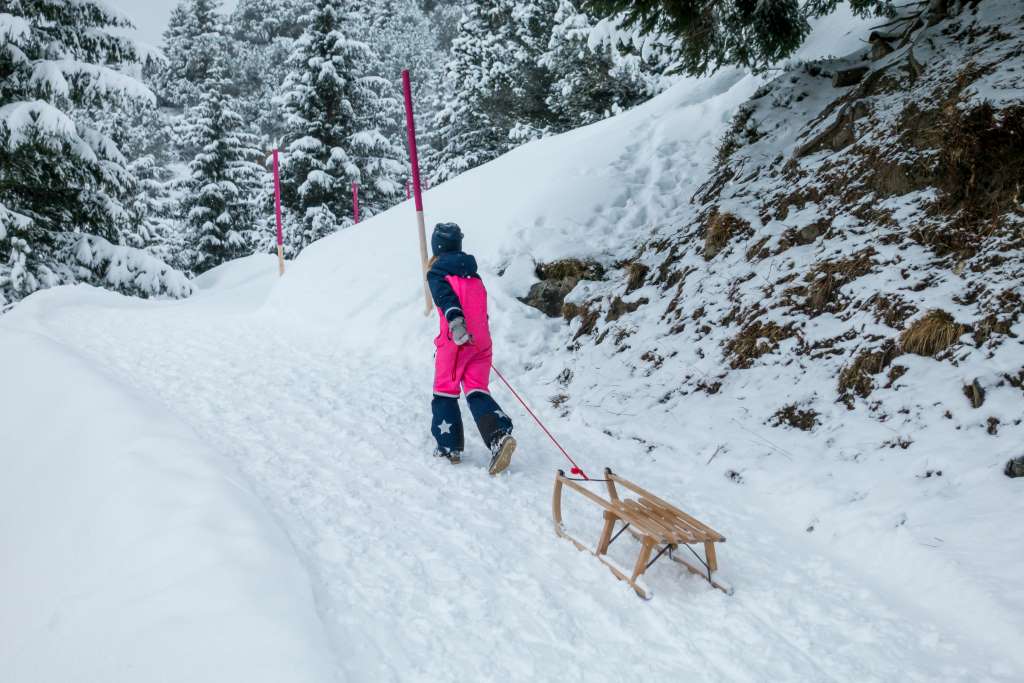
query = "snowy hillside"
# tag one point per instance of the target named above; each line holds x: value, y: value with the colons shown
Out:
x: 239, y: 487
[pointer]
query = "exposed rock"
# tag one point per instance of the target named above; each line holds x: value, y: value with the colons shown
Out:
x: 548, y: 296
x: 847, y: 77
x: 880, y: 45
x: 1015, y: 468
x: 975, y: 394
x: 809, y: 233
x: 558, y: 278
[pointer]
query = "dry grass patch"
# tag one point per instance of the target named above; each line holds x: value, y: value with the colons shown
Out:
x: 618, y: 308
x: 932, y: 333
x: 755, y: 340
x: 980, y: 176
x: 720, y: 229
x: 637, y: 276
x: 891, y: 309
x: 795, y: 417
x: 821, y: 294
x: 857, y: 378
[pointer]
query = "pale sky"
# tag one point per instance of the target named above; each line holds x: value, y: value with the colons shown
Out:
x: 150, y: 16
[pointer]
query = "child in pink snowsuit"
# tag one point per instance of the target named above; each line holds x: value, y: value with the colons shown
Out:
x: 463, y: 355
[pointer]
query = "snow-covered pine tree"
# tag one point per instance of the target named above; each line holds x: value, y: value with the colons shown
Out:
x: 148, y: 199
x: 224, y: 177
x: 154, y: 223
x: 444, y: 15
x: 402, y: 36
x: 495, y: 84
x: 335, y: 111
x: 592, y: 79
x: 63, y: 182
x: 194, y: 34
x: 263, y: 33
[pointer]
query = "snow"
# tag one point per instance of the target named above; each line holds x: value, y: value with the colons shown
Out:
x: 131, y: 551
x: 13, y: 28
x: 312, y: 393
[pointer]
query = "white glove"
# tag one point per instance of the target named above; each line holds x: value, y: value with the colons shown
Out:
x: 458, y: 329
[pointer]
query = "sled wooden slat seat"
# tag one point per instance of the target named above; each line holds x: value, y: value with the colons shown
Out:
x: 654, y: 522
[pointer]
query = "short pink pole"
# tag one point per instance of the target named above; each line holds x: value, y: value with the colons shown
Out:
x: 410, y: 127
x: 355, y: 201
x: 277, y: 215
x: 408, y: 185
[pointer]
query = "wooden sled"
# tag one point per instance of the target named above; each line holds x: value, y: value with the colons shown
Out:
x: 655, y: 523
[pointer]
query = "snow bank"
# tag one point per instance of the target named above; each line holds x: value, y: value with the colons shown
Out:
x: 130, y: 552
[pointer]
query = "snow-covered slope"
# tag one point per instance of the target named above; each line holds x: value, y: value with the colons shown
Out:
x: 315, y: 390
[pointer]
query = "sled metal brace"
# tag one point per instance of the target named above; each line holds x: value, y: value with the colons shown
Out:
x: 653, y: 521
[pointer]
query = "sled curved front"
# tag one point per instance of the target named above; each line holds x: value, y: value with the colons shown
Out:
x: 654, y: 522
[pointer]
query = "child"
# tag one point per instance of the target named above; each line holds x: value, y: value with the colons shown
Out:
x: 463, y: 358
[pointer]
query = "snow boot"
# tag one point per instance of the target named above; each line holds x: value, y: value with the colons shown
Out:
x: 501, y: 454
x: 454, y: 457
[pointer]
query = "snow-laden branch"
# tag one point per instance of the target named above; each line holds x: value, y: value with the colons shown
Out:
x: 90, y: 79
x: 25, y: 120
x: 8, y: 217
x: 13, y: 28
x: 129, y: 269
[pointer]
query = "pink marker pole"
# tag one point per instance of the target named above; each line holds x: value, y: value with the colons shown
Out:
x: 277, y: 215
x: 410, y: 126
x: 408, y: 190
x: 355, y: 201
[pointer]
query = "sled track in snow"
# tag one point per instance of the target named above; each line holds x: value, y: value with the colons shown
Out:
x: 427, y: 571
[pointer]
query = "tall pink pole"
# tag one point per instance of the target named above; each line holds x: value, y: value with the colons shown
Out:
x: 355, y: 201
x: 277, y: 215
x: 410, y: 126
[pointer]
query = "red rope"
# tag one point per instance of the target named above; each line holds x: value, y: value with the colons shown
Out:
x: 575, y: 468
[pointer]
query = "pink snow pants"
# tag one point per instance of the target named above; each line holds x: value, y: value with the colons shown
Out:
x: 467, y: 367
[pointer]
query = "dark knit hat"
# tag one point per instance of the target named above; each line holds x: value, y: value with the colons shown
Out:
x: 447, y: 237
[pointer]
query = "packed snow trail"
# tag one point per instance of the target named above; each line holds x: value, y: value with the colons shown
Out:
x: 427, y: 571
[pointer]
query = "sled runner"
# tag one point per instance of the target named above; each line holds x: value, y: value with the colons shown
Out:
x: 656, y: 524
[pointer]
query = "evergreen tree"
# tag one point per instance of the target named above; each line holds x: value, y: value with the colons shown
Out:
x: 495, y: 84
x: 714, y: 33
x: 444, y: 17
x: 592, y: 81
x: 194, y: 34
x: 224, y: 178
x: 152, y: 211
x: 335, y: 113
x: 263, y: 34
x: 64, y: 183
x: 403, y: 37
x: 148, y: 199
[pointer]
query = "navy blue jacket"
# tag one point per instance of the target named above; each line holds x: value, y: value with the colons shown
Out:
x: 449, y: 263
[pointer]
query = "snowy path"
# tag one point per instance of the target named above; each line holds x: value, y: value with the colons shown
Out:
x: 424, y: 571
